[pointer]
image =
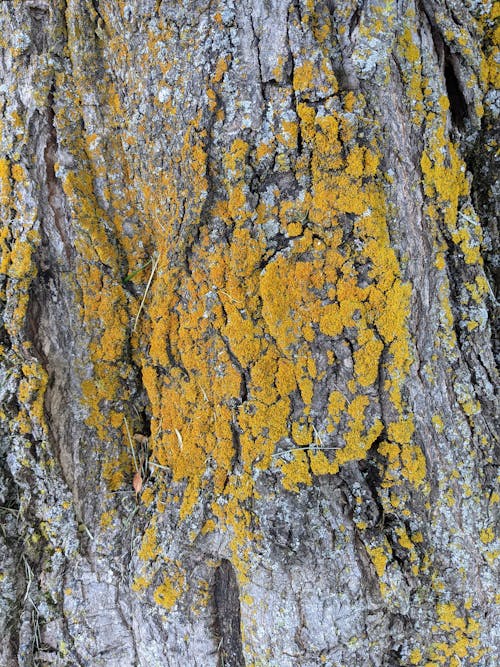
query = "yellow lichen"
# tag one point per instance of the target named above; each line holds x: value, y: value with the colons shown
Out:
x: 303, y: 76
x: 107, y: 518
x: 379, y: 559
x: 20, y: 259
x: 487, y: 535
x: 438, y: 423
x: 149, y: 546
x: 228, y: 350
x: 416, y: 656
x: 167, y: 593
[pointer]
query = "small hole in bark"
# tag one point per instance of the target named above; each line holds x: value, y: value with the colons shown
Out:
x: 458, y: 105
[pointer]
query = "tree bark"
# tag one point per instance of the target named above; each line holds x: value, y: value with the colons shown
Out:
x: 247, y: 355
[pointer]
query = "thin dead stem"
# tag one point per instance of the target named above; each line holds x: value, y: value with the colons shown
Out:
x: 153, y: 270
x: 312, y: 448
x: 131, y: 444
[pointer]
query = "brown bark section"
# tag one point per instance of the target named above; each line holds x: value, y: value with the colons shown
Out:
x: 227, y: 615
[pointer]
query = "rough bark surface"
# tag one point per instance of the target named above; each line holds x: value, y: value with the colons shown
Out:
x: 248, y: 262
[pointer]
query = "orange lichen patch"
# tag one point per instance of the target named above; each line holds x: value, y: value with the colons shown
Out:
x: 104, y: 310
x: 288, y: 136
x: 403, y: 538
x: 445, y: 183
x: 440, y: 262
x: 336, y: 407
x: 167, y: 593
x: 401, y: 431
x: 296, y: 471
x: 263, y: 150
x: 404, y: 459
x: 303, y: 76
x: 31, y: 392
x: 288, y: 305
x: 235, y: 158
x: 460, y: 637
x: 320, y: 464
x: 478, y: 288
x: 366, y: 359
x: 358, y: 438
x: 20, y: 259
x: 140, y: 583
x: 229, y: 332
x: 18, y: 243
x: 107, y: 518
x: 381, y: 308
x: 487, y: 535
x: 379, y: 559
x: 416, y: 656
x: 21, y: 306
x: 5, y: 185
x: 378, y: 311
x: 361, y: 162
x: 444, y: 175
x: 307, y: 116
x: 18, y: 172
x: 411, y: 50
x: 147, y: 496
x: 411, y: 62
x: 174, y: 584
x: 149, y: 549
x: 118, y: 471
x: 4, y: 249
x: 221, y: 69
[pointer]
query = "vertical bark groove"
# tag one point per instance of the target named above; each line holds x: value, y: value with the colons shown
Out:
x: 228, y: 617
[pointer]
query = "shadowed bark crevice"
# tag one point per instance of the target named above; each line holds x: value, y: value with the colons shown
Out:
x: 458, y: 105
x: 227, y: 615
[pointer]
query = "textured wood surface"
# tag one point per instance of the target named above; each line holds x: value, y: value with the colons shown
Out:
x: 247, y: 281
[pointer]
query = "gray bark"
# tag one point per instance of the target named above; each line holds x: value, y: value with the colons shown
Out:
x: 179, y: 182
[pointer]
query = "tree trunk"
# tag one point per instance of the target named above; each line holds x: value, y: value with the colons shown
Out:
x: 247, y: 361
